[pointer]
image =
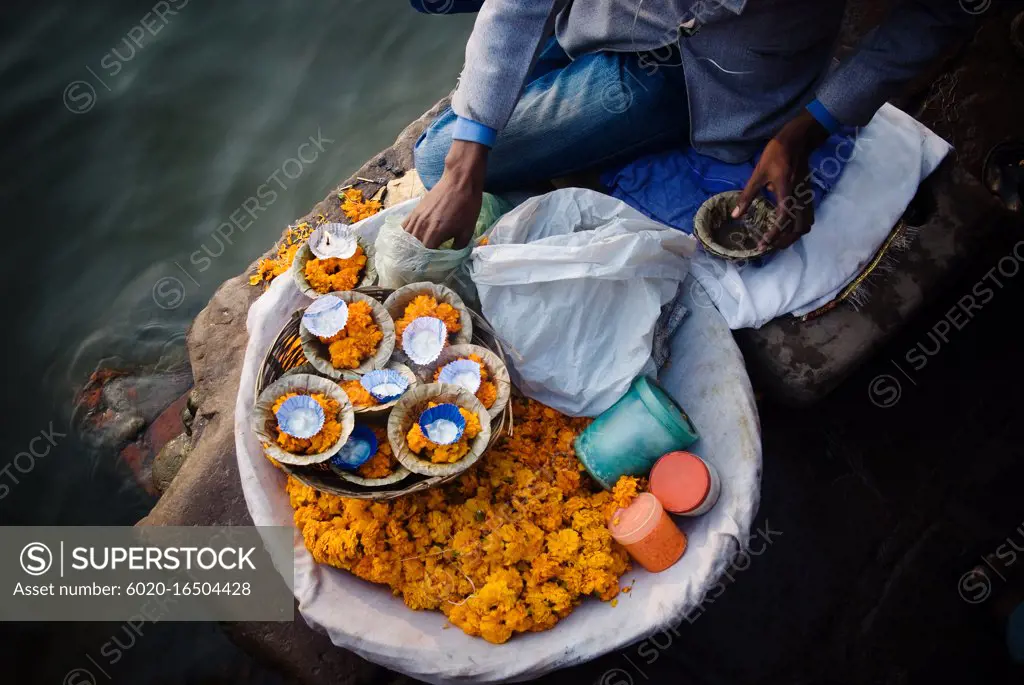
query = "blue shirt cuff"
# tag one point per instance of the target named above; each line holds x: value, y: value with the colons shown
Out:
x: 824, y: 117
x: 475, y: 132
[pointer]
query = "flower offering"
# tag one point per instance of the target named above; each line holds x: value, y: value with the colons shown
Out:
x: 478, y: 383
x: 435, y: 441
x: 511, y: 545
x: 357, y: 341
x: 294, y: 417
x: 427, y: 306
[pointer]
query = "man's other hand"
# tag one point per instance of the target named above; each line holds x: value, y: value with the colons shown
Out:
x: 450, y: 209
x: 783, y: 169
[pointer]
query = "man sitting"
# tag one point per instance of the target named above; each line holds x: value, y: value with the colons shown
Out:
x: 626, y: 77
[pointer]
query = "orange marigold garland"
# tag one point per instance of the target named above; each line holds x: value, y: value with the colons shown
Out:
x: 355, y: 207
x: 444, y: 454
x: 487, y: 393
x: 267, y: 269
x: 358, y: 395
x: 327, y: 436
x: 357, y: 341
x: 511, y: 545
x: 425, y: 305
x: 334, y: 274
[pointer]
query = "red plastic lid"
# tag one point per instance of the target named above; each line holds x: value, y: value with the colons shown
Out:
x: 681, y: 481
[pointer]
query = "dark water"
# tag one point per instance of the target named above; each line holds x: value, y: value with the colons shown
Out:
x: 128, y: 138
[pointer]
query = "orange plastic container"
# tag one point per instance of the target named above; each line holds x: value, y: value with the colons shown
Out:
x: 648, y: 533
x: 685, y: 484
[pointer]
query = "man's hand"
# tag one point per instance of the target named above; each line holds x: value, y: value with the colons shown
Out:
x: 783, y: 169
x: 450, y: 209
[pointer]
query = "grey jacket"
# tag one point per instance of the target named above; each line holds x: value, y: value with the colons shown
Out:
x: 749, y: 66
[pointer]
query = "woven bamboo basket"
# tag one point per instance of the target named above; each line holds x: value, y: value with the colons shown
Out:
x: 286, y: 354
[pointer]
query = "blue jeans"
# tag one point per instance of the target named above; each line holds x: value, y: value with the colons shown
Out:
x: 574, y: 115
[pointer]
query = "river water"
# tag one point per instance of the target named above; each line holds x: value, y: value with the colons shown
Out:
x: 132, y: 130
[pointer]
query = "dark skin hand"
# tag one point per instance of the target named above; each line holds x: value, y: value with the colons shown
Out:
x: 783, y: 169
x: 450, y: 209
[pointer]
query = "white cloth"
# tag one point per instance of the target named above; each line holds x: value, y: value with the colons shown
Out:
x: 893, y: 155
x: 573, y: 283
x: 706, y: 376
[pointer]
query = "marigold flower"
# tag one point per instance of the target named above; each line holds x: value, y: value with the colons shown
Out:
x: 383, y: 463
x: 328, y: 435
x: 334, y: 274
x: 269, y: 268
x: 357, y: 341
x: 425, y: 305
x: 510, y: 546
x: 355, y: 207
x: 358, y: 395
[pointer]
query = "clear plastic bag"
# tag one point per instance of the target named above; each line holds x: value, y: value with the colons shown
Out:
x: 402, y: 259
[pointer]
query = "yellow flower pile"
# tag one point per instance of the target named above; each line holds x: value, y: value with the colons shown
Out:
x: 267, y: 269
x: 327, y: 436
x: 357, y: 341
x: 425, y: 305
x: 444, y: 454
x: 487, y: 393
x: 334, y: 274
x: 383, y: 463
x: 355, y: 207
x: 358, y: 395
x: 512, y: 545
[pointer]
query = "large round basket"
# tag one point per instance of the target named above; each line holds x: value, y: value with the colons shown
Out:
x: 286, y: 354
x: 305, y: 254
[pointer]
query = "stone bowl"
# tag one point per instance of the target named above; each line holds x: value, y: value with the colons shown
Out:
x: 728, y: 238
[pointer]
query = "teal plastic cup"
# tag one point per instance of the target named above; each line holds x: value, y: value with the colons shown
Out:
x: 628, y: 437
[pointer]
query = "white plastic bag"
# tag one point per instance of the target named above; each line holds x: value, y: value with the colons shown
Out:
x: 573, y: 282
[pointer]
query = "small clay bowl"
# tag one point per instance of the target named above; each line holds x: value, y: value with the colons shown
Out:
x: 728, y: 238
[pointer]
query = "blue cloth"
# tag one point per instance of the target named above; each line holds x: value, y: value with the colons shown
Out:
x: 473, y: 131
x: 600, y: 109
x: 671, y: 186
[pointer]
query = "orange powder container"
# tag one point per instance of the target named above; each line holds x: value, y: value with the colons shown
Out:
x: 648, y: 533
x: 685, y: 484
